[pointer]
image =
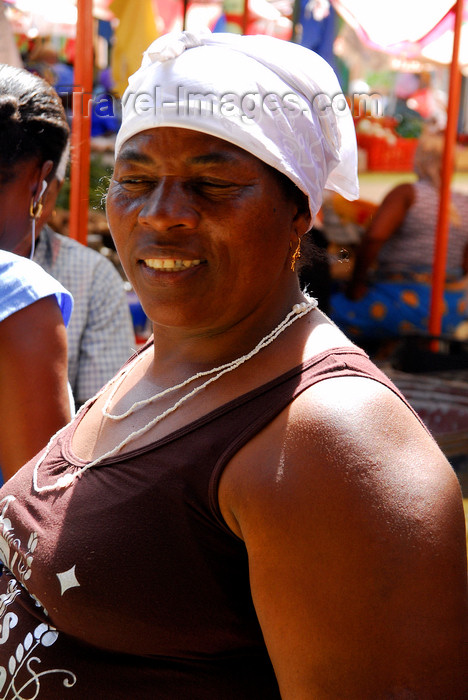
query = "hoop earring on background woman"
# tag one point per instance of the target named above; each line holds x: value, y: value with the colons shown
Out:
x: 296, y: 255
x: 35, y: 210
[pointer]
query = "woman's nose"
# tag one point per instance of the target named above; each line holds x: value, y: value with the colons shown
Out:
x: 169, y: 205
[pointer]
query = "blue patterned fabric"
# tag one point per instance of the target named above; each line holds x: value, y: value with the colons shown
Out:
x: 391, y: 309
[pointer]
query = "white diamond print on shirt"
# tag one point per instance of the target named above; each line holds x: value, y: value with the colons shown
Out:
x: 68, y: 580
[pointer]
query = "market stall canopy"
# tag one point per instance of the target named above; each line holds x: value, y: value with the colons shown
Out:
x: 416, y: 30
x: 49, y: 17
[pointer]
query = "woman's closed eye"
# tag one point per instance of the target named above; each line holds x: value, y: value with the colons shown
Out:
x: 205, y: 187
x: 213, y: 188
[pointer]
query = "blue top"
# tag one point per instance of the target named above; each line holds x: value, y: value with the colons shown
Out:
x: 22, y: 282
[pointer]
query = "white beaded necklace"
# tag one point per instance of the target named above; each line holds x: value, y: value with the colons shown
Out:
x: 66, y: 480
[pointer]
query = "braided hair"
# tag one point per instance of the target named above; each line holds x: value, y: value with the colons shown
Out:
x: 33, y: 124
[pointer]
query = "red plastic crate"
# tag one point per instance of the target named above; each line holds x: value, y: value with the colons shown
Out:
x: 385, y: 157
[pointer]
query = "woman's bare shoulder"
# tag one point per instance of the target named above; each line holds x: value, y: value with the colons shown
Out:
x: 346, y: 427
x: 347, y: 503
x: 341, y: 424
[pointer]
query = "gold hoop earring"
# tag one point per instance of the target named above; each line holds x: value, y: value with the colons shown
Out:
x: 35, y: 209
x: 296, y: 255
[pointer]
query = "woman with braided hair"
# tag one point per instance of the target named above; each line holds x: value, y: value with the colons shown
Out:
x: 34, y: 307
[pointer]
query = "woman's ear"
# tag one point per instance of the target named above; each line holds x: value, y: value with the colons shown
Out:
x: 49, y: 202
x: 46, y: 169
x: 39, y: 182
x: 303, y: 220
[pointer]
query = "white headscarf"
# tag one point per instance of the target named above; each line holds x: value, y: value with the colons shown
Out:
x: 275, y: 99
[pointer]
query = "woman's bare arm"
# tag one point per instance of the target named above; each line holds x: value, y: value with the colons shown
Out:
x: 386, y: 220
x: 34, y: 401
x: 354, y: 528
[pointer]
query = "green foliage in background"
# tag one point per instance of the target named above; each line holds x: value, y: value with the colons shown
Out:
x: 381, y: 81
x: 409, y: 127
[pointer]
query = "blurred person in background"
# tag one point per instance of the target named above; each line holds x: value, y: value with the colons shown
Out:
x: 34, y: 392
x: 389, y: 291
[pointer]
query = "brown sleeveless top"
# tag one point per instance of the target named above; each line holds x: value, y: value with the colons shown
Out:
x: 129, y: 584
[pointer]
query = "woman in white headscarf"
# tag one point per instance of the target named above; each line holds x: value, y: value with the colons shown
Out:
x: 220, y: 522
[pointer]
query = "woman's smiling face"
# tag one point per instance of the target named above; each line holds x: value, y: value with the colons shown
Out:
x: 202, y: 228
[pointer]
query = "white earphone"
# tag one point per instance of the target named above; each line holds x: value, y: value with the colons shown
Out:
x: 43, y: 188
